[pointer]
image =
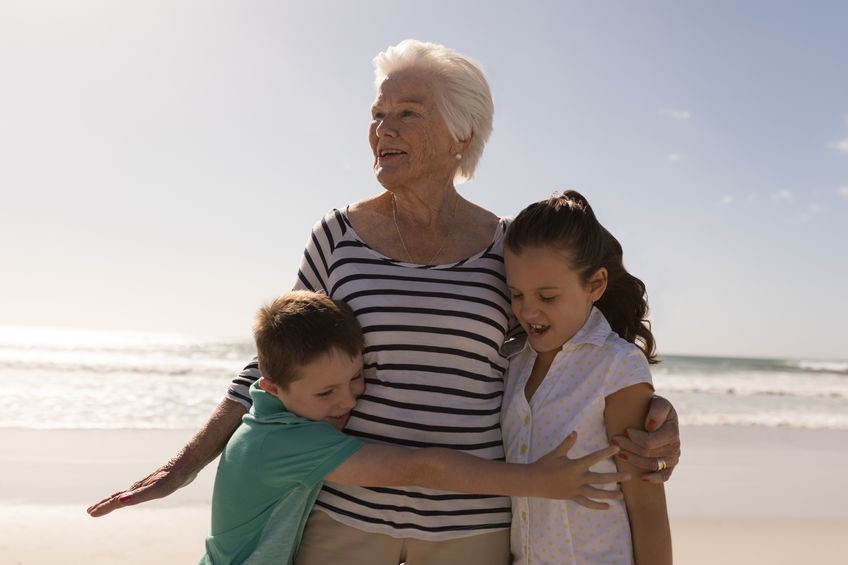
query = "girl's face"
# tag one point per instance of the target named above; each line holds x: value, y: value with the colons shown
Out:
x: 548, y: 297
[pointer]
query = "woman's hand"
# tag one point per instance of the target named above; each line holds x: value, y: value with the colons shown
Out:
x: 655, y: 449
x: 563, y: 478
x: 158, y: 484
x: 203, y: 448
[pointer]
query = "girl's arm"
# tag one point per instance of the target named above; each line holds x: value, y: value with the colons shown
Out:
x: 552, y: 476
x: 645, y: 501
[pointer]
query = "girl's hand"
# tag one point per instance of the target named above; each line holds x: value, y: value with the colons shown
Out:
x: 659, y: 445
x: 562, y: 478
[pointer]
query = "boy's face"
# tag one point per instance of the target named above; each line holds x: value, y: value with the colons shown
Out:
x: 326, y: 390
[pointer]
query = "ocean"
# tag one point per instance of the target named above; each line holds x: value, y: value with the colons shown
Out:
x: 81, y: 379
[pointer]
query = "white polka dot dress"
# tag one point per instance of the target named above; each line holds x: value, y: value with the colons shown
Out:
x: 595, y: 363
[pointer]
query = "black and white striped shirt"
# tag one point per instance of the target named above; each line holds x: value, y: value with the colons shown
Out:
x: 433, y: 369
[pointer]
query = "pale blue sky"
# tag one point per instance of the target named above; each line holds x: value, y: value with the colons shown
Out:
x: 162, y: 163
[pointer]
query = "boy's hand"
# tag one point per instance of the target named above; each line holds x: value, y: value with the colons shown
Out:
x: 563, y: 478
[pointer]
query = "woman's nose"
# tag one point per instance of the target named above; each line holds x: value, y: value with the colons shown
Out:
x: 385, y: 128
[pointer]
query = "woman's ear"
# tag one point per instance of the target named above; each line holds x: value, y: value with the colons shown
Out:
x: 461, y: 145
x: 598, y: 284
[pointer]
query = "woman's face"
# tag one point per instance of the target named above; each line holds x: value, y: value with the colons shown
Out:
x: 408, y: 136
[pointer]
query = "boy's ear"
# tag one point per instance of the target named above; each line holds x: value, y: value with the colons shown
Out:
x: 598, y: 284
x: 268, y: 386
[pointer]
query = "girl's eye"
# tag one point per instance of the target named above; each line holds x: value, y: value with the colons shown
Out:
x: 326, y: 393
x: 515, y: 296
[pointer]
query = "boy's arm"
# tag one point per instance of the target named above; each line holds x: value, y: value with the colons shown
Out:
x: 552, y: 476
x: 645, y: 501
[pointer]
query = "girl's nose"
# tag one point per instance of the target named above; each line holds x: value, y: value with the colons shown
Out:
x: 527, y: 309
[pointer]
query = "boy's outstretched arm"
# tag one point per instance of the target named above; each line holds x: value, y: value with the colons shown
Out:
x: 552, y: 476
x: 203, y: 448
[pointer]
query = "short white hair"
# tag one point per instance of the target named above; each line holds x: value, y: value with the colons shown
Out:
x: 462, y: 93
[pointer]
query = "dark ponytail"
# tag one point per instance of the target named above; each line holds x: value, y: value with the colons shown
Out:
x: 566, y: 223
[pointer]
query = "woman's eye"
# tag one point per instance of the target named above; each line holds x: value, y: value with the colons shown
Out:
x: 547, y: 299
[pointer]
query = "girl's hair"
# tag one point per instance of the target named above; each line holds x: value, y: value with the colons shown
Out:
x: 566, y: 223
x: 460, y: 87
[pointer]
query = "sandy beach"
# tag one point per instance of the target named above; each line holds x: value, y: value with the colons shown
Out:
x: 741, y: 496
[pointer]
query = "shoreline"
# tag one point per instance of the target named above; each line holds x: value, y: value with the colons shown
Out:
x: 740, y: 495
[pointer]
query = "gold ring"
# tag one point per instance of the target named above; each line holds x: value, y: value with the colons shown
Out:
x: 661, y: 464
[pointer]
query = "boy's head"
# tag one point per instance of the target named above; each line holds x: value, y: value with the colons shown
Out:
x: 310, y: 355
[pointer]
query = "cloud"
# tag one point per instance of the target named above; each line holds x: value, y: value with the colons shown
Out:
x: 681, y: 115
x: 843, y: 191
x: 726, y: 200
x: 784, y: 195
x: 674, y: 157
x: 841, y: 145
x: 812, y: 211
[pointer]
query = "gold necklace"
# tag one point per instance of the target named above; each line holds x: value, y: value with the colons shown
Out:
x: 403, y: 243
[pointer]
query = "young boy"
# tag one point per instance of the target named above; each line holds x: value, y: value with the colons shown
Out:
x: 310, y: 355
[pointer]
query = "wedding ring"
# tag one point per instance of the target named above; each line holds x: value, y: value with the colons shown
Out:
x: 661, y: 464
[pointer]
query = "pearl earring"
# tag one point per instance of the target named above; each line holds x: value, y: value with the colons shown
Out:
x: 458, y: 156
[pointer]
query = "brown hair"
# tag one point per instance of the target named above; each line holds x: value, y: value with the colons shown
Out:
x: 299, y: 326
x: 566, y: 223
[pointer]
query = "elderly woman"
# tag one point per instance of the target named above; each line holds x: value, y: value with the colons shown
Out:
x: 422, y: 267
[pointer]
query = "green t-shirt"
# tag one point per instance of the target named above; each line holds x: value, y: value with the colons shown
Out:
x: 268, y: 478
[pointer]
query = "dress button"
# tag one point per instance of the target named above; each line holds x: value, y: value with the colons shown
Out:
x: 523, y: 450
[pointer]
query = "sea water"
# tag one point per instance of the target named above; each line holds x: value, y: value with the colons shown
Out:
x: 79, y: 379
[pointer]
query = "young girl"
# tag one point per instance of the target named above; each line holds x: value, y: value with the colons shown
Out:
x: 584, y: 367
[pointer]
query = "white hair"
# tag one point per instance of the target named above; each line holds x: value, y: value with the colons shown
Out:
x: 462, y: 94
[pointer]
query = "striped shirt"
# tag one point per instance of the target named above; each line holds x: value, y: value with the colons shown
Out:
x: 433, y: 369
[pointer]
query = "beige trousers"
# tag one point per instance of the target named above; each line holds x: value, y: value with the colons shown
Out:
x: 326, y: 541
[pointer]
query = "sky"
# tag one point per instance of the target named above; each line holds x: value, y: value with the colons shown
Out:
x: 163, y: 162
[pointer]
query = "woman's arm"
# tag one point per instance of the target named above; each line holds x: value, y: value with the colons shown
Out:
x: 203, y: 448
x: 660, y: 437
x: 552, y: 476
x: 645, y: 501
